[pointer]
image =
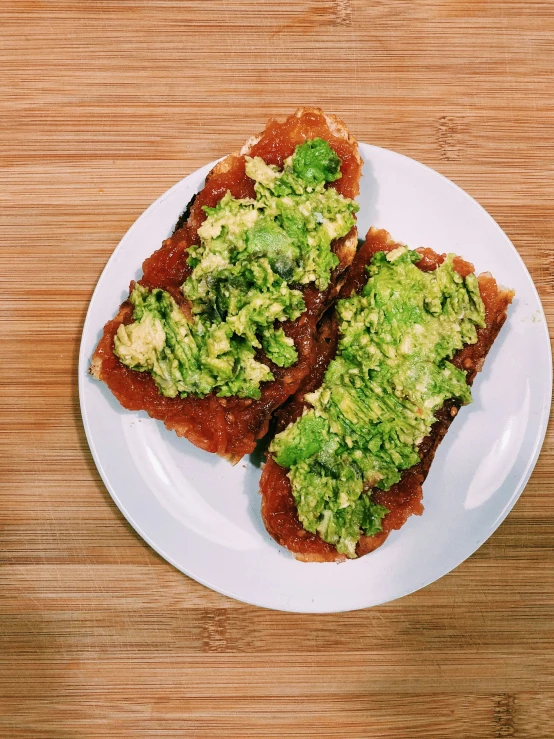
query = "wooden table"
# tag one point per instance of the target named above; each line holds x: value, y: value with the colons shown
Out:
x: 104, y: 105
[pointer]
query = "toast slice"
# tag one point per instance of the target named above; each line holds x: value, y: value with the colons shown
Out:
x: 404, y: 498
x: 231, y: 425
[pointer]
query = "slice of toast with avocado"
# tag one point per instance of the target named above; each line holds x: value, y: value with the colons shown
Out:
x: 222, y: 327
x: 411, y: 330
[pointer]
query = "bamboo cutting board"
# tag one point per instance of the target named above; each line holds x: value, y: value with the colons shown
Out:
x: 106, y: 104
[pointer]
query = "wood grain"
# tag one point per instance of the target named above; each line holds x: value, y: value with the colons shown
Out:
x: 103, y: 106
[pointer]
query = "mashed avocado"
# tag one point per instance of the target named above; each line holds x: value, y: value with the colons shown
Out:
x: 379, y: 395
x: 252, y: 254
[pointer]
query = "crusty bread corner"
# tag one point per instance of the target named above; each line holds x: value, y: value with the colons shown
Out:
x: 346, y: 250
x: 506, y: 294
x: 309, y: 557
x: 346, y: 247
x: 336, y: 126
x: 95, y: 367
x: 374, y: 231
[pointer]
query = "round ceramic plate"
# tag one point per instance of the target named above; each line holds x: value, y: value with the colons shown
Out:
x: 203, y: 515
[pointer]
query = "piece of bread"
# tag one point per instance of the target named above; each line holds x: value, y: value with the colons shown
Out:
x: 279, y: 511
x: 231, y: 426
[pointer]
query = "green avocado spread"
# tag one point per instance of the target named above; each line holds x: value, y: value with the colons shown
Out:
x: 380, y: 393
x: 252, y: 257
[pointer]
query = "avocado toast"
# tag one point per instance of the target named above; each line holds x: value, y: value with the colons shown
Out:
x: 222, y: 327
x: 411, y: 330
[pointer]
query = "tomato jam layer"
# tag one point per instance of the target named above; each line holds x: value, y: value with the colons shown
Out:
x: 279, y: 510
x: 229, y: 426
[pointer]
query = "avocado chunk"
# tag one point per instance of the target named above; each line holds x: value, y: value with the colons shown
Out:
x: 316, y: 162
x: 268, y: 239
x: 279, y: 348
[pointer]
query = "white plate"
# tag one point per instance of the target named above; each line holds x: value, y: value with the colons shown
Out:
x: 203, y: 515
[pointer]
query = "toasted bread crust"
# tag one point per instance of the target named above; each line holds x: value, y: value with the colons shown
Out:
x: 231, y: 426
x: 403, y: 499
x: 336, y: 126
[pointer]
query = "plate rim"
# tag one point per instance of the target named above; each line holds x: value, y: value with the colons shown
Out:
x: 82, y: 370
